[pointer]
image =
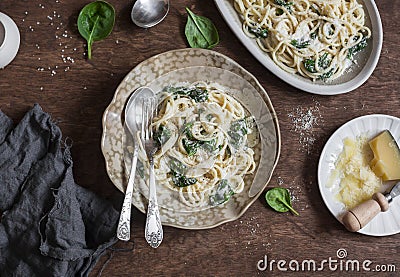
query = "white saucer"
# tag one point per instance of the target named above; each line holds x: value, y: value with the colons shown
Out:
x: 384, y: 224
x: 9, y: 40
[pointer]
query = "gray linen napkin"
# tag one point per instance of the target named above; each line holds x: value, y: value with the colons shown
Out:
x: 50, y: 226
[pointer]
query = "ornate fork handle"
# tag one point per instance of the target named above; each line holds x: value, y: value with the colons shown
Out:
x: 153, y: 231
x: 124, y: 224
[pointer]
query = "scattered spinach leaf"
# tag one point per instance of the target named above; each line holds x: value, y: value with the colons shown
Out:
x: 200, y: 31
x: 279, y: 200
x: 162, y: 135
x: 222, y: 194
x: 358, y: 47
x: 181, y: 180
x: 95, y: 22
x: 300, y: 44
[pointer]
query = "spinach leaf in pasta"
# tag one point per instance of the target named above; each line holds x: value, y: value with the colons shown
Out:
x: 222, y: 194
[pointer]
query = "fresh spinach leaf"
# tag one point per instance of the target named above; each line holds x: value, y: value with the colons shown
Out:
x: 223, y: 193
x: 95, y: 22
x: 279, y: 200
x: 300, y: 44
x: 200, y: 31
x: 162, y: 135
x: 181, y: 180
x: 357, y: 48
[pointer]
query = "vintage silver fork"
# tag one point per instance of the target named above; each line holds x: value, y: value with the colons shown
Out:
x: 153, y: 229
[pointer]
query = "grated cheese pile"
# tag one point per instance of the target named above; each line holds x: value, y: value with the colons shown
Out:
x: 357, y: 181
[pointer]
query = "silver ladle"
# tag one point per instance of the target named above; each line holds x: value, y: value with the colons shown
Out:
x: 147, y: 13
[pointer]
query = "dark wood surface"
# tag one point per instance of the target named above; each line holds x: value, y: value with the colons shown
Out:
x: 78, y: 91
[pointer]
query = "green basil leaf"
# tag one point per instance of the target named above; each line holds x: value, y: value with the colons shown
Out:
x: 95, y: 22
x: 200, y: 31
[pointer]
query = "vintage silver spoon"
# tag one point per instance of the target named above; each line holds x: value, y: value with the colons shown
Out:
x: 133, y: 116
x: 147, y: 13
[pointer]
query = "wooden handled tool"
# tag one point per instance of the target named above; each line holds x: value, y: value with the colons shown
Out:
x: 358, y: 217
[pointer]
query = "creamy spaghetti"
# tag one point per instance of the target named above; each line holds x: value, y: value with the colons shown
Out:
x: 203, y: 149
x: 314, y: 38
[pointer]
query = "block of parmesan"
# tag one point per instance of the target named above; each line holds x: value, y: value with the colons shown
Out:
x: 386, y: 161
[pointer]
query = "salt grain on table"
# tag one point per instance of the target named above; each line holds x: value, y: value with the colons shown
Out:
x: 304, y: 120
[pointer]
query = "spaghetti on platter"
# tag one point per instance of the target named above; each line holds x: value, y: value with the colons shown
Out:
x: 317, y: 39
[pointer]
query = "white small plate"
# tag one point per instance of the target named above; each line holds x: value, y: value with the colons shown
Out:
x: 9, y: 40
x: 385, y: 223
x: 367, y: 59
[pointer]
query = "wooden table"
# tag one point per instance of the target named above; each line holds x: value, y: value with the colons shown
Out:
x: 52, y: 70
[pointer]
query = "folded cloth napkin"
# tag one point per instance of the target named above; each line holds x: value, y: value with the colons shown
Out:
x: 50, y: 226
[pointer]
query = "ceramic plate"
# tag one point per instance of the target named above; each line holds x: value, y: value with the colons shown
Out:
x: 387, y: 223
x: 367, y: 59
x: 194, y: 65
x: 9, y: 40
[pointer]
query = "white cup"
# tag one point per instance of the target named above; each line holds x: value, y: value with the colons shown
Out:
x: 2, y: 35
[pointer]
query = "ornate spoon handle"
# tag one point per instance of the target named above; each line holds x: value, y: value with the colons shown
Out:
x: 124, y: 224
x: 153, y: 230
